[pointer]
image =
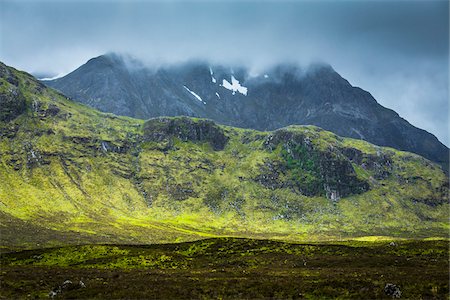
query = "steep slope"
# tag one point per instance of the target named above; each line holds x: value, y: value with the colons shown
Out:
x: 285, y: 95
x: 70, y: 174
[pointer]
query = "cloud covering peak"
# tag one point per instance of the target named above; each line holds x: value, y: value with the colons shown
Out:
x: 397, y: 50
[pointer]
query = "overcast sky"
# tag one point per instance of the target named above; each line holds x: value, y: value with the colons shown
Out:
x: 398, y: 51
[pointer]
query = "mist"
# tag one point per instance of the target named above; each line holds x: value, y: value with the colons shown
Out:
x: 398, y: 51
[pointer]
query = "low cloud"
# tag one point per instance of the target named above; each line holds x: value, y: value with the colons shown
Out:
x: 398, y: 51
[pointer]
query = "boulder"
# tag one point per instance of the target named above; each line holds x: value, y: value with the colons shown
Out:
x: 392, y: 290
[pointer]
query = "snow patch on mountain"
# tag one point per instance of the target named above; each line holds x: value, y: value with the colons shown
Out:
x: 53, y: 78
x: 194, y: 94
x: 213, y: 80
x: 234, y: 86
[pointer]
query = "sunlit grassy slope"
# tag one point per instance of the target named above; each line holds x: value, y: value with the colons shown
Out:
x: 70, y: 174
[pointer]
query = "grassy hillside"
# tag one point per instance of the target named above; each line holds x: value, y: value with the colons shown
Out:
x: 70, y: 175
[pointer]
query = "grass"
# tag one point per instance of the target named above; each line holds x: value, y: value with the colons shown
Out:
x: 232, y: 268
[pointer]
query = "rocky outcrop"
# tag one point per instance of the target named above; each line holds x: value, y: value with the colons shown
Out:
x: 185, y: 129
x: 309, y: 170
x: 12, y: 101
x: 380, y: 163
x: 66, y: 286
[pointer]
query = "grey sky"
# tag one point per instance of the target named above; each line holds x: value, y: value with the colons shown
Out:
x: 398, y: 51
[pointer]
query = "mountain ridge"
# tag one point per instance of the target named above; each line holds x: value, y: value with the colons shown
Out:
x: 285, y: 95
x: 76, y: 175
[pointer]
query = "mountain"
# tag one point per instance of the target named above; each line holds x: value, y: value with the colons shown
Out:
x: 71, y: 174
x: 284, y: 95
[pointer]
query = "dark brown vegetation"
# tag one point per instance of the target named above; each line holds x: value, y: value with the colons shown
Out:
x: 230, y: 268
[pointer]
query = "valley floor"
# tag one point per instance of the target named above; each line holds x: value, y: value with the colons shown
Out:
x: 229, y: 268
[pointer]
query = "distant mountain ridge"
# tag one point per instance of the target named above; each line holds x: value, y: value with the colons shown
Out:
x: 284, y: 95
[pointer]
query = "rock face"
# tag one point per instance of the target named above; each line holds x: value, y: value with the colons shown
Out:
x: 12, y: 101
x: 314, y: 171
x: 284, y: 96
x: 185, y: 129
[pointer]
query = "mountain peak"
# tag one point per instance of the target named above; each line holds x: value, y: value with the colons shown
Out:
x: 283, y: 95
x: 114, y: 59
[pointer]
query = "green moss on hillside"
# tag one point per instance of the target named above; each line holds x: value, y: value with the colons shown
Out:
x: 71, y: 170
